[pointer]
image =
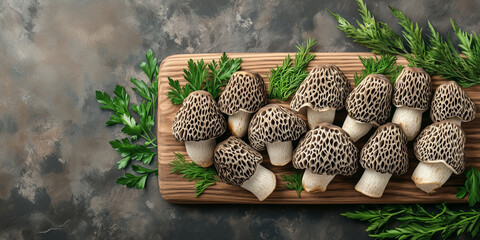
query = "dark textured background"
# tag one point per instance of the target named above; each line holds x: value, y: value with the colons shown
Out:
x: 57, y: 170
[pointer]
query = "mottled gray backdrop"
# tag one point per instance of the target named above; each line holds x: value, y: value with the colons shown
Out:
x: 57, y: 170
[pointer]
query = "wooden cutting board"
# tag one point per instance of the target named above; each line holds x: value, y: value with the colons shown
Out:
x: 341, y: 190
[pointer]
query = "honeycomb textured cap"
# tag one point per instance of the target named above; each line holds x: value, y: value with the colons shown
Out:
x: 244, y: 91
x: 325, y: 88
x: 274, y: 123
x: 370, y: 101
x: 236, y: 161
x: 198, y: 119
x: 413, y: 88
x: 442, y: 142
x: 327, y: 150
x: 386, y: 150
x: 450, y: 101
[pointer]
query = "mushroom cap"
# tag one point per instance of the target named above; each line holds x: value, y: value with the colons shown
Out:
x: 245, y: 91
x: 413, y: 89
x: 326, y: 150
x: 450, y: 101
x: 370, y: 101
x: 442, y: 142
x: 274, y: 123
x: 236, y: 161
x: 386, y: 150
x: 198, y: 119
x: 325, y: 88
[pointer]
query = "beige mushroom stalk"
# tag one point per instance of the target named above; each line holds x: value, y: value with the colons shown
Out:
x: 322, y: 93
x: 384, y: 154
x: 238, y: 164
x: 368, y: 105
x: 325, y: 152
x: 275, y: 127
x: 412, y: 92
x: 244, y: 94
x: 440, y: 148
x: 197, y: 123
x: 450, y: 102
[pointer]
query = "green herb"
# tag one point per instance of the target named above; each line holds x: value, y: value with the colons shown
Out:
x: 139, y: 126
x: 131, y: 180
x: 386, y: 65
x: 294, y: 181
x: 200, y: 76
x: 285, y: 80
x: 472, y: 187
x: 205, y: 177
x: 437, y: 56
x: 414, y: 222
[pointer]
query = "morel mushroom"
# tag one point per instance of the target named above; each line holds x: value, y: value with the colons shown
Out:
x: 322, y: 93
x: 450, y: 102
x: 197, y: 123
x: 325, y: 152
x: 244, y: 94
x: 275, y: 127
x: 440, y: 148
x: 412, y: 92
x: 369, y: 104
x: 238, y: 164
x: 384, y: 154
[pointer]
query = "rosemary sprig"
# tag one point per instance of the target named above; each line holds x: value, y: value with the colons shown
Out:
x: 285, y: 80
x: 386, y: 65
x: 294, y: 181
x: 200, y: 76
x: 436, y: 56
x: 417, y: 223
x: 205, y: 177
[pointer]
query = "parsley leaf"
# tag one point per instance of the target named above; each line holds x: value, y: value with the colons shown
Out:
x: 205, y: 177
x: 284, y: 80
x: 200, y: 76
x: 294, y: 181
x: 136, y: 126
x: 472, y: 187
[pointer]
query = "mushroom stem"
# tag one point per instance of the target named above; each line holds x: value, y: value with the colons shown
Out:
x: 409, y: 119
x: 261, y: 183
x: 201, y: 152
x: 355, y: 129
x: 315, y: 117
x: 430, y: 176
x: 238, y: 123
x: 280, y: 153
x: 373, y: 183
x: 313, y: 182
x: 455, y: 120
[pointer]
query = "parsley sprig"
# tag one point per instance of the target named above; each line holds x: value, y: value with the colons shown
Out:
x: 284, y: 80
x: 137, y: 120
x: 205, y: 177
x: 200, y: 76
x: 472, y: 187
x: 294, y: 181
x: 436, y: 54
x: 386, y: 65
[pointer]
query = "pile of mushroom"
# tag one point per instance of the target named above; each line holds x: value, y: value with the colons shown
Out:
x: 327, y: 150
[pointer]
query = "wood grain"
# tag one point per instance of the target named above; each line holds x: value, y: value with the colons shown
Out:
x: 400, y: 189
